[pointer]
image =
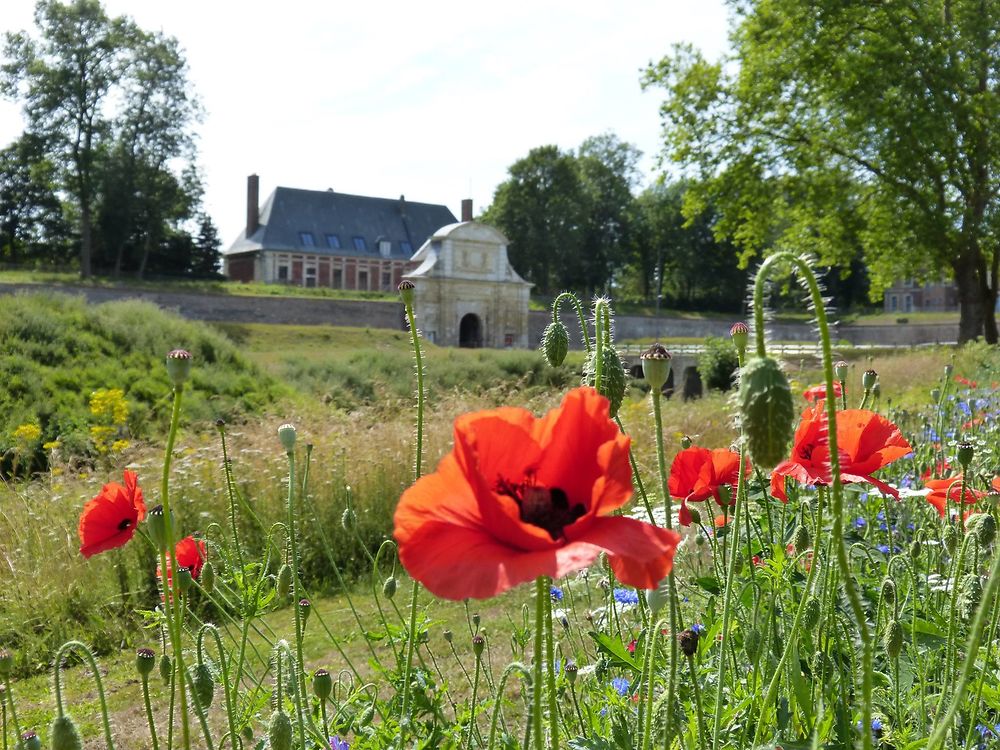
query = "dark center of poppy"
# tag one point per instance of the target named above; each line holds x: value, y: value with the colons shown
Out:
x: 545, y: 507
x: 125, y: 523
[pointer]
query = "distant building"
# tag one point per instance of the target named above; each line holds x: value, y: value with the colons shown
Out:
x: 319, y: 238
x: 467, y: 293
x: 906, y: 296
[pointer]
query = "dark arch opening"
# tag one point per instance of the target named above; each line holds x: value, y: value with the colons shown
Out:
x: 470, y: 333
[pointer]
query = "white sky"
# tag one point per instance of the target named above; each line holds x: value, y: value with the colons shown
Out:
x: 432, y: 100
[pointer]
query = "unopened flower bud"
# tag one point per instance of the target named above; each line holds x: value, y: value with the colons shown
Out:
x: 178, y: 366
x: 31, y: 741
x: 935, y: 395
x: 389, y: 587
x: 6, y: 663
x: 986, y: 530
x: 555, y: 343
x: 767, y: 411
x: 166, y: 668
x: 64, y: 735
x: 322, y: 684
x: 877, y: 390
x: 950, y: 538
x: 348, y: 519
x: 888, y: 591
x: 203, y: 685
x: 283, y: 583
x: 801, y: 538
x: 305, y: 607
x: 656, y: 366
x: 279, y: 731
x: 478, y: 644
x: 286, y: 434
x: 840, y: 371
x: 868, y: 379
x: 892, y: 640
x: 145, y: 660
x: 915, y: 549
x: 811, y: 613
x: 688, y: 642
x: 966, y: 451
x: 752, y: 644
x: 949, y: 369
x: 156, y: 524
x: 657, y: 598
x: 448, y: 636
x: 405, y: 289
x: 695, y: 515
x: 740, y: 334
x: 184, y: 580
x: 686, y: 442
x: 207, y: 577
x: 571, y: 670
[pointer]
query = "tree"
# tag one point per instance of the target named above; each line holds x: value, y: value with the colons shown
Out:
x: 64, y: 79
x: 31, y: 218
x: 847, y: 124
x: 206, y: 258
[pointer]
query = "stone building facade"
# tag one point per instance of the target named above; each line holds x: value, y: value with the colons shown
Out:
x: 467, y: 293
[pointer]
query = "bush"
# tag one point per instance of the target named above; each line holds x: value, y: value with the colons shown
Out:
x: 717, y: 363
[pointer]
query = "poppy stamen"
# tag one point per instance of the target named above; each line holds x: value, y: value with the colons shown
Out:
x: 545, y: 507
x: 125, y: 523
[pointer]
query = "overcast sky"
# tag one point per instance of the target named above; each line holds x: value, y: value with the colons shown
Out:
x: 432, y: 100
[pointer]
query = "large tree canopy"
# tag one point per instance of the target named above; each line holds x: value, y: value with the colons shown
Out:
x: 840, y: 124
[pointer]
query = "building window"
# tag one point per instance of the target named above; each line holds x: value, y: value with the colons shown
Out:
x: 908, y: 303
x: 333, y: 241
x: 338, y: 278
x: 306, y: 239
x: 384, y: 248
x: 359, y: 243
x: 406, y: 247
x: 310, y: 276
x: 363, y: 280
x: 282, y: 273
x: 893, y: 302
x: 386, y: 281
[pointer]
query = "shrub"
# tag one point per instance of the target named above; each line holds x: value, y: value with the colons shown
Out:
x: 717, y: 363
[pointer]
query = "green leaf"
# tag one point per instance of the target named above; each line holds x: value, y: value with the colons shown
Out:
x: 615, y: 650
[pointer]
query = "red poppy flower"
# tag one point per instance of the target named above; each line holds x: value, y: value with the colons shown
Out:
x: 190, y: 553
x: 966, y: 382
x: 995, y: 484
x: 817, y: 393
x: 949, y: 490
x: 938, y: 469
x: 866, y: 442
x: 109, y: 519
x: 699, y: 473
x: 520, y: 497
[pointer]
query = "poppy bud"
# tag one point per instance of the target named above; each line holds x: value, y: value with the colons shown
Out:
x: 892, y: 640
x: 6, y: 663
x: 31, y: 741
x: 448, y: 636
x: 279, y: 731
x: 810, y: 616
x: 740, y: 334
x: 970, y: 591
x: 767, y: 410
x: 695, y: 516
x: 389, y: 587
x: 555, y: 343
x: 286, y: 434
x: 247, y: 734
x: 950, y: 538
x: 64, y: 734
x: 166, y: 668
x: 686, y: 442
x: 571, y: 670
x: 156, y: 524
x: 868, y: 379
x: 751, y: 644
x: 688, y: 641
x: 888, y: 591
x: 801, y: 538
x: 949, y: 369
x: 613, y: 382
x: 840, y: 370
x: 966, y: 451
x: 877, y: 390
x: 207, y: 576
x: 178, y: 366
x: 283, y: 583
x: 184, y: 580
x: 737, y: 564
x: 475, y: 621
x: 657, y: 598
x: 366, y: 716
x: 915, y: 548
x: 322, y: 684
x: 305, y: 607
x: 348, y: 519
x: 145, y: 660
x: 405, y: 289
x: 203, y: 685
x: 220, y: 424
x: 986, y: 530
x: 935, y: 395
x: 478, y: 644
x: 656, y: 366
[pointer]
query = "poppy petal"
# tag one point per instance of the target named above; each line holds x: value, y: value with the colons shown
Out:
x: 640, y: 554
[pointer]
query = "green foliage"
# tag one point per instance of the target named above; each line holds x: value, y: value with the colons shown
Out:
x: 60, y: 351
x: 717, y: 363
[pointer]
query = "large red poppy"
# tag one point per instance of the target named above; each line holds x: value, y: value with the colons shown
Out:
x: 866, y: 442
x: 817, y: 393
x: 520, y: 497
x: 949, y: 490
x: 699, y: 473
x: 190, y: 553
x: 109, y: 519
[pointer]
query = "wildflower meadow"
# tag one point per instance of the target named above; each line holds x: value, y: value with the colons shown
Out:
x: 823, y: 576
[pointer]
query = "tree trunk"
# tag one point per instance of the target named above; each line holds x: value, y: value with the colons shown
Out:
x: 147, y: 244
x: 971, y: 304
x: 85, y: 240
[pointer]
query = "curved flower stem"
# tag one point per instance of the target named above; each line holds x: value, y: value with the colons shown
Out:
x: 541, y: 594
x: 648, y: 669
x: 226, y: 692
x: 579, y: 313
x: 550, y: 666
x: 857, y: 608
x: 89, y: 658
x: 9, y: 697
x: 498, y: 701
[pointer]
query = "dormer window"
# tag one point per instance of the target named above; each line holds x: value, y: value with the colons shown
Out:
x: 406, y: 247
x: 359, y: 243
x: 333, y: 241
x: 306, y: 239
x: 384, y: 248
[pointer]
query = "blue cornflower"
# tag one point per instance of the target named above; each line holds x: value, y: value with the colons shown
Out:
x: 338, y: 744
x: 860, y: 522
x: 964, y: 408
x: 880, y: 515
x: 698, y: 628
x: 984, y: 731
x: 628, y: 597
x: 863, y: 496
x: 883, y: 548
x: 883, y: 527
x: 907, y: 481
x: 620, y: 684
x: 911, y: 526
x: 556, y: 593
x: 876, y: 725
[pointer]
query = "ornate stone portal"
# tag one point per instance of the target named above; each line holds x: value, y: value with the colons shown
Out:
x: 467, y: 293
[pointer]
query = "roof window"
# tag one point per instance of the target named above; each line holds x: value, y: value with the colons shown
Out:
x: 359, y: 243
x: 406, y: 247
x: 333, y: 241
x: 306, y: 239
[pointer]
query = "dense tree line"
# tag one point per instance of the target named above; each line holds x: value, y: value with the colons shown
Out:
x: 105, y: 171
x: 576, y: 220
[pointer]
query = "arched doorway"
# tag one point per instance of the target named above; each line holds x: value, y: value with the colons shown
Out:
x: 470, y: 332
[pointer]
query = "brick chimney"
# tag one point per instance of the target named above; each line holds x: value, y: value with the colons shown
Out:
x: 253, y: 204
x: 467, y: 209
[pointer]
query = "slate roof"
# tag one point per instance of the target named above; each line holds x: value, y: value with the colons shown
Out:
x: 290, y: 212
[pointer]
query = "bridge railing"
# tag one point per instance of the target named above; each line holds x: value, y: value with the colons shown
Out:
x: 784, y: 350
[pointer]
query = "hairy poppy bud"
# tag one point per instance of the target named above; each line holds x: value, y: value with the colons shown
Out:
x: 892, y: 639
x: 686, y: 442
x: 657, y: 598
x: 656, y: 366
x: 688, y: 642
x: 475, y: 621
x: 695, y: 515
x: 145, y: 660
x: 950, y: 538
x: 405, y: 289
x: 752, y: 643
x: 348, y: 519
x: 279, y: 731
x: 877, y: 390
x: 184, y: 580
x: 178, y: 366
x: 478, y: 644
x: 613, y: 382
x: 986, y: 530
x: 305, y: 607
x: 156, y: 524
x: 64, y: 734
x: 286, y: 434
x: 366, y: 716
x: 322, y: 684
x: 31, y: 741
x: 888, y: 591
x: 767, y: 410
x: 868, y: 379
x: 740, y: 334
x: 970, y: 591
x: 555, y: 343
x: 966, y: 451
x: 207, y: 576
x: 840, y: 371
x: 203, y: 685
x: 283, y: 583
x: 166, y: 668
x: 389, y: 587
x: 915, y: 549
x: 801, y: 538
x: 810, y: 616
